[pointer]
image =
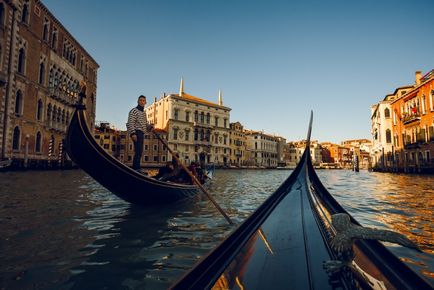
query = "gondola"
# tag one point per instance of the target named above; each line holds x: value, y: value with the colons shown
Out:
x: 118, y: 178
x: 287, y: 243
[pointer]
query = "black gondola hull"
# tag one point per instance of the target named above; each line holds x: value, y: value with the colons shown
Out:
x: 118, y: 178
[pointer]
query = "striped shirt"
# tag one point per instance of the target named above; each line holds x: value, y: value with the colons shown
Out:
x: 136, y: 121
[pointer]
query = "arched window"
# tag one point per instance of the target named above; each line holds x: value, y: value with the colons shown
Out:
x: 388, y: 136
x: 21, y: 60
x: 51, y: 78
x: 49, y: 112
x: 39, y: 110
x: 16, y: 139
x: 63, y: 116
x: 202, y: 117
x: 38, y: 142
x: 196, y: 116
x: 45, y: 30
x: 25, y: 12
x: 41, y: 73
x: 19, y: 103
x: 208, y: 117
x: 54, y: 39
x: 386, y: 113
x: 59, y: 115
x: 54, y: 115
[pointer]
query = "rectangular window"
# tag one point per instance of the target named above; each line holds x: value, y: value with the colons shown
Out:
x: 146, y: 147
x: 431, y: 101
x: 155, y: 158
x: 423, y: 104
x: 155, y: 147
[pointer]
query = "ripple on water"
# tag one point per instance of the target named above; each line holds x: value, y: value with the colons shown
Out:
x: 68, y: 229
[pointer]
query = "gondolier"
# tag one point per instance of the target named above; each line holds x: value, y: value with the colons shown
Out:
x: 137, y: 125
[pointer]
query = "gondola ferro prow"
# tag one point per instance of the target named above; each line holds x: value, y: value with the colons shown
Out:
x: 81, y: 96
x: 347, y: 232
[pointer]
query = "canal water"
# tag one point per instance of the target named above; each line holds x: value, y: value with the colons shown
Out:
x: 62, y: 230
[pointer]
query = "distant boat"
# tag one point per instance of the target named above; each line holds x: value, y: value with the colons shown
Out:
x: 5, y: 164
x: 285, y: 243
x: 117, y: 177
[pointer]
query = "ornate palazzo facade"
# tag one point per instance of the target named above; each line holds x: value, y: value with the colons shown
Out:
x: 197, y: 129
x: 41, y: 65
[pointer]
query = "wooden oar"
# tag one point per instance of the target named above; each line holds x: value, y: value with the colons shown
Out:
x: 193, y: 177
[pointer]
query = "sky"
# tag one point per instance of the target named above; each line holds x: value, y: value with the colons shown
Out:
x: 274, y: 61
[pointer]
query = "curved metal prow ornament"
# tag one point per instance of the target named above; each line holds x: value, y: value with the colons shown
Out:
x: 81, y: 96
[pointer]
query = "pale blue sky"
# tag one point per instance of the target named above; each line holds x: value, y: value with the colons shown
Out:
x: 273, y: 60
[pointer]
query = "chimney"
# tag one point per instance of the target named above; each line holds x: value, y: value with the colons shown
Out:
x: 181, y: 87
x: 418, y: 77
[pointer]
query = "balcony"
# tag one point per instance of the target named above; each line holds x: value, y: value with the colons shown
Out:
x: 203, y: 125
x: 60, y: 94
x: 409, y: 118
x: 202, y: 142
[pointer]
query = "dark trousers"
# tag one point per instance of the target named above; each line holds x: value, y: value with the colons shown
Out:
x: 138, y: 150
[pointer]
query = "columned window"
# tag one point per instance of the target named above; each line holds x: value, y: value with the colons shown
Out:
x: 45, y: 30
x: 39, y: 110
x: 19, y: 103
x: 54, y: 39
x: 25, y: 12
x: 41, y: 73
x: 16, y: 139
x: 38, y: 142
x: 21, y: 60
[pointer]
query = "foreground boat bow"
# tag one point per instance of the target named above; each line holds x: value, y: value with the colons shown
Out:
x: 286, y: 243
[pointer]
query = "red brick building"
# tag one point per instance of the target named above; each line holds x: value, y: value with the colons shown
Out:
x: 41, y: 65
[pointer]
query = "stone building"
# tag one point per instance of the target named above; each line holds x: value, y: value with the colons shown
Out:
x: 264, y: 150
x: 41, y: 65
x: 108, y: 138
x: 197, y: 129
x: 381, y: 129
x: 237, y: 142
x: 155, y: 154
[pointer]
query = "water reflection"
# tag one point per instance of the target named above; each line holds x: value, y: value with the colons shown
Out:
x: 63, y: 230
